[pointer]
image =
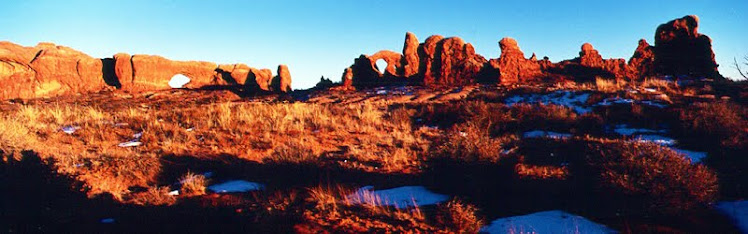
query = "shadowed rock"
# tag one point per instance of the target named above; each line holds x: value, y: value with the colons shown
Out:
x: 681, y: 50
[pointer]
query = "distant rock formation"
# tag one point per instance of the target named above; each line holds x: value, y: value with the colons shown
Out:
x: 679, y: 51
x: 47, y: 70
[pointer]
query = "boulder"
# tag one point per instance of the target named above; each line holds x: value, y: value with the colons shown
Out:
x: 348, y: 78
x: 123, y: 67
x: 17, y: 78
x: 258, y: 80
x: 681, y: 50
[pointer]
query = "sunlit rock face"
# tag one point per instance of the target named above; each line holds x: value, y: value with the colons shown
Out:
x: 679, y: 50
x: 48, y: 70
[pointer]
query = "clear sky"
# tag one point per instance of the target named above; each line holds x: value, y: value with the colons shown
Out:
x: 317, y: 38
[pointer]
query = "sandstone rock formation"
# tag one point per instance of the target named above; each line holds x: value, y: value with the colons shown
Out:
x: 49, y: 70
x: 681, y: 50
x: 641, y: 64
x: 410, y: 61
x: 512, y: 66
x: 284, y: 79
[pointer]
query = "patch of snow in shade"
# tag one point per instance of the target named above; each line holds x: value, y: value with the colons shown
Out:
x: 540, y: 133
x: 693, y: 155
x: 657, y: 139
x: 174, y: 193
x: 561, y: 98
x: 178, y: 80
x: 107, y: 220
x: 70, y: 129
x: 737, y: 211
x: 622, y: 129
x: 400, y: 197
x: 554, y: 221
x: 235, y: 186
x: 381, y: 92
x: 617, y: 100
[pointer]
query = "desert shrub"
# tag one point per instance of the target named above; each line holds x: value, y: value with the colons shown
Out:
x: 606, y: 85
x: 651, y: 175
x: 720, y: 123
x: 193, y: 184
x: 471, y: 143
x: 154, y: 196
x: 459, y: 216
x: 294, y: 153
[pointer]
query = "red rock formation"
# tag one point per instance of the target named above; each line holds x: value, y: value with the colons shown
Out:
x: 512, y: 65
x: 50, y: 70
x: 348, y: 78
x: 457, y: 63
x: 47, y: 70
x: 641, y: 63
x: 427, y: 53
x: 258, y: 80
x: 681, y: 50
x: 285, y: 79
x: 123, y: 67
x: 589, y: 57
x: 154, y: 72
x: 392, y: 58
x: 410, y: 60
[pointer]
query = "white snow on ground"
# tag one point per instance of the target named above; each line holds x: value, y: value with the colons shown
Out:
x: 561, y: 98
x: 626, y: 131
x: 400, y: 197
x: 70, y: 129
x: 235, y: 186
x: 540, y: 133
x: 554, y: 221
x: 693, y: 155
x: 737, y: 210
x: 657, y: 139
x: 618, y: 100
x: 178, y: 80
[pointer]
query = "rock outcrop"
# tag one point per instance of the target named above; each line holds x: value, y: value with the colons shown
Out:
x: 681, y: 50
x: 47, y: 70
x: 410, y: 62
x: 512, y: 66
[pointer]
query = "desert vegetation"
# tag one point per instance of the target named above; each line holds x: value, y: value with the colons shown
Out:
x: 492, y: 157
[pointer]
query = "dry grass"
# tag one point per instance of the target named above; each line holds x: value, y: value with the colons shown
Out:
x: 608, y: 85
x: 193, y: 184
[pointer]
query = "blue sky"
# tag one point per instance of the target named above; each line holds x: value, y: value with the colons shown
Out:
x: 318, y: 38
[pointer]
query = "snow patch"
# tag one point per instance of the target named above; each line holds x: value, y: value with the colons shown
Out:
x: 235, y: 186
x: 693, y: 155
x: 618, y: 100
x: 561, y: 98
x: 178, y: 80
x: 657, y: 139
x: 547, y: 134
x: 70, y: 129
x: 622, y: 129
x: 737, y: 211
x: 400, y: 197
x: 554, y: 221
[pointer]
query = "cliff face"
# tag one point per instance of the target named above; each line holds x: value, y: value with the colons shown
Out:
x: 679, y: 51
x: 47, y: 70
